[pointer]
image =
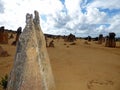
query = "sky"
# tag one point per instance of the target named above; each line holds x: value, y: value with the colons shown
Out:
x: 62, y: 17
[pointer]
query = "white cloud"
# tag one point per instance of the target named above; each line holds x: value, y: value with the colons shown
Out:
x: 63, y: 19
x: 111, y: 4
x: 115, y: 24
x: 73, y: 6
x: 15, y: 10
x: 95, y: 16
x: 1, y: 7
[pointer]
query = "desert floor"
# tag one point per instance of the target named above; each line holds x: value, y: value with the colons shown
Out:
x: 77, y: 67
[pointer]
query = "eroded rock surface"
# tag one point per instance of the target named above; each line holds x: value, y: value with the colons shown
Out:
x: 31, y: 70
x: 3, y: 36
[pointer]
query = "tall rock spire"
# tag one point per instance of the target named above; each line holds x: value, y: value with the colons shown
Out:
x: 32, y: 69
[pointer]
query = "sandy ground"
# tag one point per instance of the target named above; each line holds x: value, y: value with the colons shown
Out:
x: 77, y: 67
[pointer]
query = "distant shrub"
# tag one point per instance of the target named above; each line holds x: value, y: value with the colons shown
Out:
x: 4, y: 81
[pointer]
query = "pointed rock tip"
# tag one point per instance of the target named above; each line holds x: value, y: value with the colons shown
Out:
x: 29, y: 17
x: 36, y: 18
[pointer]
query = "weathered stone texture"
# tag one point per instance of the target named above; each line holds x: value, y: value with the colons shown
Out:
x: 19, y: 30
x: 110, y: 40
x: 31, y: 70
x: 3, y: 36
x: 70, y: 38
x: 100, y: 39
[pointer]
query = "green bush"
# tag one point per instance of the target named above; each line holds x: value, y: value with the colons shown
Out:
x: 4, y: 81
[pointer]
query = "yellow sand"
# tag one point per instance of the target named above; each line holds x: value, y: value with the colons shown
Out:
x: 77, y: 67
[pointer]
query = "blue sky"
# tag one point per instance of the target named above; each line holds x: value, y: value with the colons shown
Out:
x: 80, y: 17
